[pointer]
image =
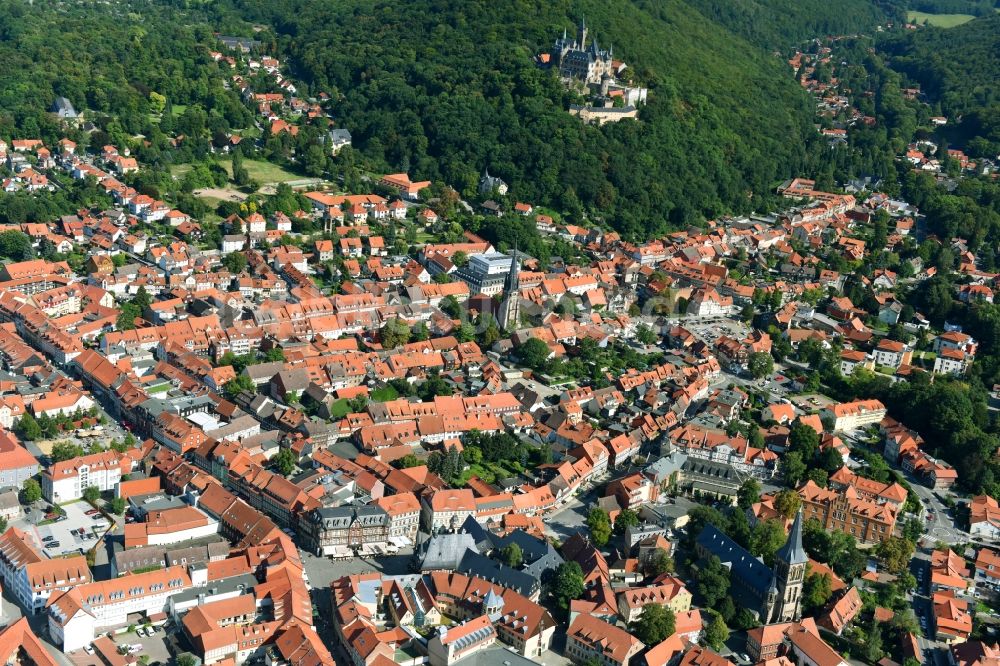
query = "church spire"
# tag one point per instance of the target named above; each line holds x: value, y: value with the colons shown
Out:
x: 509, y: 315
x: 793, y: 552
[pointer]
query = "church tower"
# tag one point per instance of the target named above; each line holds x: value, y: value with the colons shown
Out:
x: 509, y: 316
x: 784, y: 603
x: 582, y: 37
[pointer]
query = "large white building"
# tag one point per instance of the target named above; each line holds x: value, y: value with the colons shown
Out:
x: 65, y: 481
x: 857, y: 414
x: 31, y: 578
x: 950, y: 361
x: 78, y: 615
x: 485, y: 273
x: 174, y: 525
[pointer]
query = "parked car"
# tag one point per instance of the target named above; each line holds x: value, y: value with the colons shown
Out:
x: 91, y: 512
x: 134, y: 648
x: 53, y: 544
x: 89, y: 649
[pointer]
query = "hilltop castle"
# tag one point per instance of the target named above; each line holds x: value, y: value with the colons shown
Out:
x: 575, y: 60
x: 586, y: 67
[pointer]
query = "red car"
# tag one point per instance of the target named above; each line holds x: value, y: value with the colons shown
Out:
x: 91, y: 512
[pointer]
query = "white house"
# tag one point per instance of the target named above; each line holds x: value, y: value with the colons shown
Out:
x: 67, y: 480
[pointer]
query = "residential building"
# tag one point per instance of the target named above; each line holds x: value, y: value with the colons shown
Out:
x: 447, y: 509
x: 66, y: 481
x: 984, y: 517
x: 17, y: 465
x: 841, y: 612
x: 591, y: 638
x: 76, y: 616
x: 670, y: 593
x: 30, y: 578
x: 449, y: 644
x: 853, y: 415
x: 949, y: 571
x: 987, y: 574
x: 951, y: 619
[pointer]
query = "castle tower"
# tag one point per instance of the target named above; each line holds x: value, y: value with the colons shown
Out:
x: 582, y: 37
x: 789, y: 576
x: 509, y: 315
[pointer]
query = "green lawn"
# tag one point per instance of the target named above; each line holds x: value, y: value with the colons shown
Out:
x: 939, y: 20
x: 263, y: 172
x: 339, y: 409
x: 384, y: 394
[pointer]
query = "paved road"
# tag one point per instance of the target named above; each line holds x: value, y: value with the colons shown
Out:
x: 571, y: 517
x: 322, y: 570
x: 942, y: 526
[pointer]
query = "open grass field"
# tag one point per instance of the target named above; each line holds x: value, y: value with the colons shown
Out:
x: 262, y: 172
x: 178, y: 171
x: 939, y: 20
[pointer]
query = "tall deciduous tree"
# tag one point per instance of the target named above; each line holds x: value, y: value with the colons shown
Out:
x: 655, y: 623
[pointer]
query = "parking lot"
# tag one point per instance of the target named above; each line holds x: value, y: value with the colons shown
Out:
x: 67, y: 532
x: 710, y: 330
x: 159, y: 647
x: 812, y: 402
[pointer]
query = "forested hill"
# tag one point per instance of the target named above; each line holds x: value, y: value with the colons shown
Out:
x: 444, y: 88
x: 781, y: 23
x: 958, y: 68
x: 108, y: 58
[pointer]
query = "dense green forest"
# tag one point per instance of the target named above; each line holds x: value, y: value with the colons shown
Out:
x: 957, y: 68
x: 776, y: 23
x: 444, y: 88
x: 108, y: 59
x: 974, y: 7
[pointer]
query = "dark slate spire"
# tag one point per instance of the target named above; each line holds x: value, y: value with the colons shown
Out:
x: 793, y: 552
